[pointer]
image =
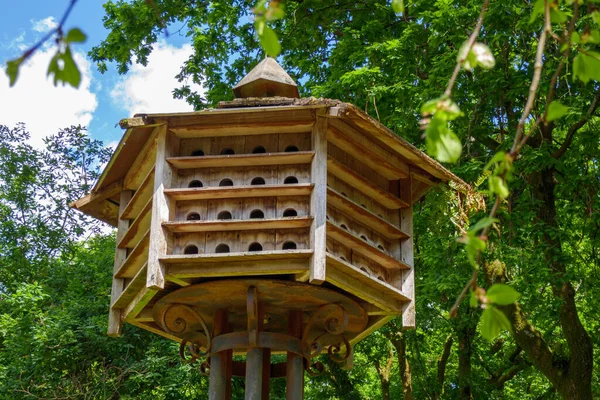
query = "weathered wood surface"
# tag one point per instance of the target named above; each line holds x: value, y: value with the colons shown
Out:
x: 191, y: 270
x: 237, y: 225
x: 137, y: 283
x: 242, y: 160
x: 407, y: 256
x: 233, y: 192
x: 114, y: 316
x: 235, y: 257
x: 360, y: 246
x: 318, y: 200
x: 363, y: 215
x: 137, y: 229
x: 361, y: 184
x: 140, y: 197
x: 136, y: 258
x: 162, y: 208
x: 143, y: 161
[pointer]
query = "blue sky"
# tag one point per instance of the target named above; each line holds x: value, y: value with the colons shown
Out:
x: 102, y: 99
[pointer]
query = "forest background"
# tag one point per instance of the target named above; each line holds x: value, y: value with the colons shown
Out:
x: 533, y: 115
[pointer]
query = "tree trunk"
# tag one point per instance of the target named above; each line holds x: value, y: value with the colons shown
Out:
x: 441, y: 370
x: 465, y: 350
x: 384, y: 370
x: 399, y: 343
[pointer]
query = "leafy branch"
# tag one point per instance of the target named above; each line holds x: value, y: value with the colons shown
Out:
x: 62, y: 65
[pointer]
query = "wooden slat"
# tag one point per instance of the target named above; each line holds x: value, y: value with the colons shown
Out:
x: 363, y: 215
x: 136, y: 258
x: 143, y: 162
x: 387, y: 290
x: 114, y: 316
x: 140, y: 197
x: 361, y: 148
x: 360, y: 290
x: 234, y: 257
x: 318, y: 200
x: 375, y: 322
x: 138, y: 229
x: 360, y: 246
x: 407, y: 257
x: 154, y: 328
x: 242, y: 129
x: 94, y: 197
x: 242, y: 160
x: 238, y: 225
x: 141, y: 299
x: 207, y: 193
x: 358, y: 182
x: 137, y: 283
x: 240, y: 268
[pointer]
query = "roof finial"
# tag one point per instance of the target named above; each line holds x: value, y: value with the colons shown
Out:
x: 267, y: 79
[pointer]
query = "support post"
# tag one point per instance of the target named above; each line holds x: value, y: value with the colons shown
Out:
x: 407, y: 254
x: 295, y: 363
x: 318, y: 199
x: 266, y: 374
x: 254, y: 356
x: 220, y: 380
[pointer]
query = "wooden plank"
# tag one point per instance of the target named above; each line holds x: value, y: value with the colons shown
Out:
x: 238, y: 225
x: 407, y: 256
x: 242, y: 160
x: 363, y: 215
x: 95, y: 197
x: 387, y: 290
x: 375, y: 322
x: 138, y: 228
x: 154, y: 328
x: 105, y: 210
x: 358, y: 289
x: 140, y: 197
x: 141, y: 300
x: 177, y: 272
x: 235, y: 192
x: 145, y: 316
x: 136, y: 258
x: 143, y: 162
x: 162, y: 208
x: 361, y: 184
x: 216, y: 258
x: 318, y: 200
x: 137, y: 283
x: 360, y: 147
x: 242, y: 129
x: 179, y: 281
x: 360, y: 246
x: 114, y: 316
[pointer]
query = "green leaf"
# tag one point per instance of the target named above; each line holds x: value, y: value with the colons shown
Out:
x: 502, y: 294
x: 493, y: 321
x: 538, y: 9
x: 498, y: 186
x: 275, y: 11
x: 269, y: 42
x: 473, y: 300
x: 557, y: 16
x: 482, y: 224
x: 498, y: 158
x: 483, y: 55
x: 596, y: 17
x: 587, y: 66
x: 71, y: 74
x: 398, y: 6
x: 555, y: 111
x: 441, y: 142
x: 12, y: 70
x: 75, y: 35
x: 575, y: 38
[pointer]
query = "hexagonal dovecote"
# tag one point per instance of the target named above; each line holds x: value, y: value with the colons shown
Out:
x: 307, y: 190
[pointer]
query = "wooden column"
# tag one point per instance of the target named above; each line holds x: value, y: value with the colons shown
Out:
x: 266, y: 374
x: 162, y: 207
x: 295, y: 364
x: 114, y: 316
x: 318, y: 198
x: 254, y: 356
x: 407, y: 254
x: 219, y: 386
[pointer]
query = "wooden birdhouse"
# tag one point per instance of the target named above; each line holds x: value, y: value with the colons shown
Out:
x: 270, y: 214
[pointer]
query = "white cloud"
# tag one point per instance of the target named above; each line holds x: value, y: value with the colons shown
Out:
x: 149, y: 89
x: 44, y: 25
x: 43, y: 107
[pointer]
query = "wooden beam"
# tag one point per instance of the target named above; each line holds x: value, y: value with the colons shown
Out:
x: 407, y: 256
x: 114, y: 316
x: 364, y: 186
x: 235, y: 192
x: 360, y: 147
x: 143, y: 162
x: 375, y: 322
x: 177, y: 272
x: 141, y: 300
x: 318, y: 200
x: 136, y: 258
x: 137, y: 229
x: 111, y: 190
x: 360, y: 246
x: 363, y: 215
x: 217, y: 258
x: 263, y: 127
x: 137, y: 283
x: 140, y: 198
x: 162, y: 208
x: 238, y: 224
x: 242, y: 160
